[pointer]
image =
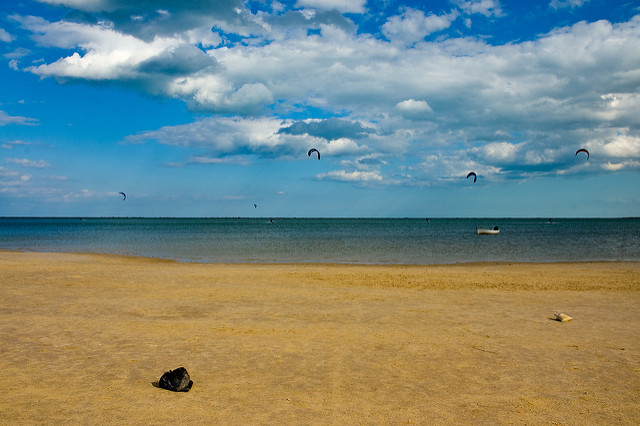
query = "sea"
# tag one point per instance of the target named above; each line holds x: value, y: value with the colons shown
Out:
x: 415, y: 241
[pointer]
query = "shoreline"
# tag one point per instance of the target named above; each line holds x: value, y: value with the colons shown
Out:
x: 318, y: 263
x: 85, y: 336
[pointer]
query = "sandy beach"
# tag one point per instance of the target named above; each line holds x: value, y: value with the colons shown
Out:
x: 85, y: 337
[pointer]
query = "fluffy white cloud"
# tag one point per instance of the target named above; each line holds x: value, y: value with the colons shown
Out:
x: 413, y: 25
x: 344, y: 6
x: 249, y: 96
x: 351, y: 176
x: 220, y: 134
x: 498, y: 151
x: 515, y: 155
x: 503, y: 107
x: 339, y: 70
x: 621, y: 146
x: 483, y: 7
x: 628, y: 164
x: 92, y: 5
x: 414, y: 109
x: 342, y: 146
x: 107, y: 54
x: 230, y: 139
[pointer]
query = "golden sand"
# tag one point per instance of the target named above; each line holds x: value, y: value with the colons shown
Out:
x: 84, y: 337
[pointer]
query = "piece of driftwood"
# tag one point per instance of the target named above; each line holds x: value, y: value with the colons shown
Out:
x: 563, y: 317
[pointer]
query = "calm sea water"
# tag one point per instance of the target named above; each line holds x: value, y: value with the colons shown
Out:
x: 363, y: 241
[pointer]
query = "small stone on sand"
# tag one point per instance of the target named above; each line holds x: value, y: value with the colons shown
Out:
x: 563, y: 317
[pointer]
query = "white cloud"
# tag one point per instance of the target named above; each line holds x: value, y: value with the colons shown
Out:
x: 504, y: 106
x: 93, y: 5
x: 622, y: 146
x: 342, y: 146
x: 12, y: 144
x: 209, y: 160
x: 5, y: 36
x: 628, y: 164
x: 491, y: 89
x: 17, y: 53
x: 6, y: 119
x: 368, y: 162
x: 230, y: 140
x: 560, y: 4
x: 413, y: 25
x: 344, y: 6
x: 205, y: 161
x: 616, y: 107
x: 204, y: 36
x: 107, y: 55
x: 414, y: 109
x: 10, y: 180
x: 498, y: 152
x: 483, y: 7
x: 83, y: 194
x: 342, y: 71
x: 24, y: 162
x: 352, y: 176
x: 250, y: 97
x: 219, y: 134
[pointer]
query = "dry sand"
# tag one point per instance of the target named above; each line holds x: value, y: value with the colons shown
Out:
x: 84, y: 337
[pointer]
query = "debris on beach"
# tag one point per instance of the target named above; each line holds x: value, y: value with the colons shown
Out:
x: 177, y: 380
x: 563, y: 317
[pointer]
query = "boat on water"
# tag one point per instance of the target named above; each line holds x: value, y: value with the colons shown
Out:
x: 486, y: 231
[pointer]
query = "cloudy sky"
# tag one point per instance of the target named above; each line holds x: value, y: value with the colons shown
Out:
x: 207, y: 107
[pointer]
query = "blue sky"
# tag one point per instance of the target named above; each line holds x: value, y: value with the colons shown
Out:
x: 205, y: 108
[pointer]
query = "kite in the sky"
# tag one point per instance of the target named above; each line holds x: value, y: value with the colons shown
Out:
x: 475, y: 177
x: 583, y: 150
x: 124, y: 196
x: 313, y: 150
x: 255, y: 206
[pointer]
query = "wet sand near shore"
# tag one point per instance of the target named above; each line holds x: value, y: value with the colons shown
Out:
x: 84, y: 338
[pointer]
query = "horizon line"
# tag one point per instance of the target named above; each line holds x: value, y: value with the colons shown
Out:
x: 323, y: 217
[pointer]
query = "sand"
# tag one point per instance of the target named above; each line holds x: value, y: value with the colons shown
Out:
x: 84, y: 338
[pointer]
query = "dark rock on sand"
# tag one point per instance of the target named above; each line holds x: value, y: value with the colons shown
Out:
x: 177, y: 380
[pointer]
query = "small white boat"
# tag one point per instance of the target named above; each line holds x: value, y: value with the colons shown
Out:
x: 485, y: 231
